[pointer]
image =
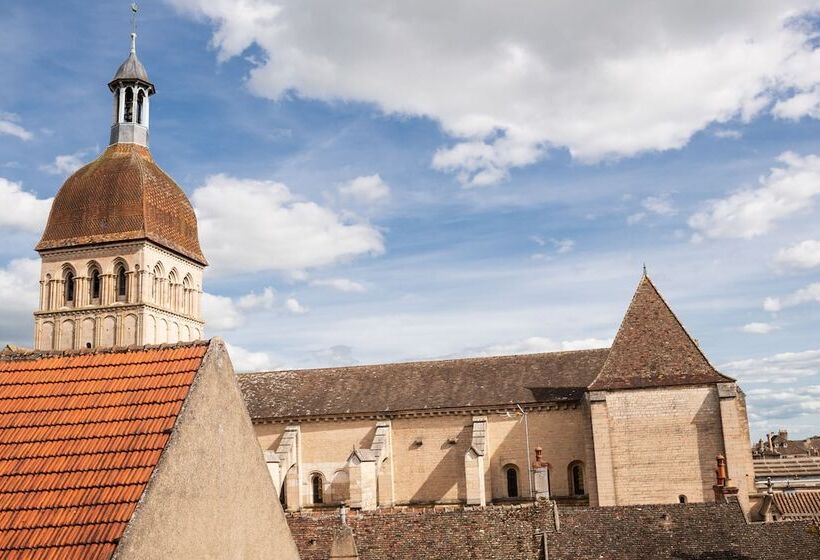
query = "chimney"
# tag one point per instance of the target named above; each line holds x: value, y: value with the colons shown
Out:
x: 769, y: 438
x: 783, y: 435
x: 541, y: 477
x: 723, y: 487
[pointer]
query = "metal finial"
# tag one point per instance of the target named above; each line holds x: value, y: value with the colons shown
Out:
x: 644, y: 269
x: 134, y: 10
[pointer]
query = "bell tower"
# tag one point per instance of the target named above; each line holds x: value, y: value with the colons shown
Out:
x: 132, y: 91
x: 121, y: 261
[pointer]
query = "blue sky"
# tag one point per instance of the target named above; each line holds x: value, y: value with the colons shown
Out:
x: 399, y: 181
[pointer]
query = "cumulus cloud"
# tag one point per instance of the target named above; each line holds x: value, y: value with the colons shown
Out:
x: 369, y: 189
x: 341, y: 284
x: 247, y: 361
x: 787, y: 189
x: 293, y: 305
x: 251, y: 301
x: 786, y: 367
x: 220, y: 313
x: 248, y: 225
x: 9, y: 125
x: 758, y: 328
x: 65, y: 164
x: 537, y: 344
x: 805, y: 254
x: 22, y: 210
x: 810, y: 293
x: 531, y: 76
x: 19, y: 281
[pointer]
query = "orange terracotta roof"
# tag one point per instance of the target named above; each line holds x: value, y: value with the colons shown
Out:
x: 80, y: 436
x: 122, y: 196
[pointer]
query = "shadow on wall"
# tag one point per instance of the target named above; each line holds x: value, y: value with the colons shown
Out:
x: 441, y: 479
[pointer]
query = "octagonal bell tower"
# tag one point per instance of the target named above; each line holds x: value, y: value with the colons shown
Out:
x: 121, y: 260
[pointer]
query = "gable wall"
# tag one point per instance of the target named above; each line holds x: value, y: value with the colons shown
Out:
x: 210, y: 495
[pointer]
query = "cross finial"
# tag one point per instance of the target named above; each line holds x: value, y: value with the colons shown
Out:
x: 644, y: 269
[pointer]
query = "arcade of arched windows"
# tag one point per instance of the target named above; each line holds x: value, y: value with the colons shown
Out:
x: 131, y: 105
x: 118, y: 283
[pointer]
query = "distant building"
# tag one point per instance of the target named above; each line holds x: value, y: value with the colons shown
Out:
x: 638, y: 423
x: 132, y: 454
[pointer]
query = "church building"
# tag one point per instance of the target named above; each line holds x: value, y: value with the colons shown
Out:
x: 641, y: 422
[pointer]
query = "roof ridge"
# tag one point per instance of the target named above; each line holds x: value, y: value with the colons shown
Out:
x: 20, y: 354
x: 430, y: 361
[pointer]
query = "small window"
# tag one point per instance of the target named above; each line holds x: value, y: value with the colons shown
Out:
x: 95, y: 284
x: 576, y: 478
x: 317, y: 488
x: 129, y: 105
x: 69, y: 287
x: 511, y: 473
x: 140, y: 102
x: 122, y: 284
x: 682, y: 499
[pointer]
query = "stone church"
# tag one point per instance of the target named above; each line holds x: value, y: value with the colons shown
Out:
x: 638, y: 423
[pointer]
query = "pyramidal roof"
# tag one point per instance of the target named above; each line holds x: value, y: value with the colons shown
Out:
x: 652, y: 349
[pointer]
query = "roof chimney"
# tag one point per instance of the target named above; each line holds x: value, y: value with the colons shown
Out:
x: 723, y: 487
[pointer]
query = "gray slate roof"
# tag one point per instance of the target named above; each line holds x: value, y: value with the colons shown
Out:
x: 131, y: 69
x: 430, y: 385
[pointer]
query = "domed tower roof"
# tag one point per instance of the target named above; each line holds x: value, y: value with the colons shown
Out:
x: 122, y: 196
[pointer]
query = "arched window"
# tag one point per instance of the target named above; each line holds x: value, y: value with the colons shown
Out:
x: 69, y: 287
x: 682, y: 499
x: 129, y: 105
x: 576, y: 479
x: 511, y: 473
x: 96, y: 284
x: 122, y: 284
x: 140, y: 102
x: 317, y: 488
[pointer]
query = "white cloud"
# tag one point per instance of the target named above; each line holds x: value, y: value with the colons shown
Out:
x: 810, y: 293
x: 247, y: 225
x: 247, y: 361
x: 369, y: 189
x: 660, y: 205
x: 65, y: 164
x: 19, y: 281
x: 537, y: 344
x: 9, y: 126
x: 801, y: 105
x: 805, y: 254
x: 531, y: 76
x: 786, y: 367
x: 254, y: 301
x: 341, y: 284
x: 729, y: 133
x: 635, y: 218
x: 758, y: 328
x: 22, y: 210
x: 787, y: 189
x: 293, y: 305
x: 220, y: 313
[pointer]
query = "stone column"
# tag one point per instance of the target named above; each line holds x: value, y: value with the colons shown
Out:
x: 605, y: 477
x: 474, y: 468
x: 737, y: 450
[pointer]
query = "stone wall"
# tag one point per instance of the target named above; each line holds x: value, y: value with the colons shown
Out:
x: 489, y: 533
x: 663, y: 444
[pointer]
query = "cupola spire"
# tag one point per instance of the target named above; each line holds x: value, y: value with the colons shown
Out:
x: 131, y: 88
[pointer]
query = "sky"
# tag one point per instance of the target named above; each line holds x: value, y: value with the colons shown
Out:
x: 387, y: 181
